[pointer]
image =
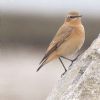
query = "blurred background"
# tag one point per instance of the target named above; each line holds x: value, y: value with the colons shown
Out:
x: 26, y: 28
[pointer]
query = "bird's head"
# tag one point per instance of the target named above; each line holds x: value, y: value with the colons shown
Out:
x: 73, y: 17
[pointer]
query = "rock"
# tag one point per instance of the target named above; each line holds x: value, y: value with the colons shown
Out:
x: 82, y: 81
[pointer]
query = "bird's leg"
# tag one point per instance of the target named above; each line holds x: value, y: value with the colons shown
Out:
x: 71, y: 59
x: 63, y: 67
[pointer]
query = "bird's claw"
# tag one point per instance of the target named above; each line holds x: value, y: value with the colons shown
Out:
x: 63, y: 73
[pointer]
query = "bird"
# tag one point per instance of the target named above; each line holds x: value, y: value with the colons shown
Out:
x: 68, y: 40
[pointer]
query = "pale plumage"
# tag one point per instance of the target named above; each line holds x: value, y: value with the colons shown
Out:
x: 68, y: 39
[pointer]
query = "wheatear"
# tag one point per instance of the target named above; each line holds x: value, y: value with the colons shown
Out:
x: 67, y: 41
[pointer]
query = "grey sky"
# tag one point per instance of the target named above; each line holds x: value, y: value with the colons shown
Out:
x: 50, y: 6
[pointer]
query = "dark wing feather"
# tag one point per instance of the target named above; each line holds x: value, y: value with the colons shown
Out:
x: 49, y: 52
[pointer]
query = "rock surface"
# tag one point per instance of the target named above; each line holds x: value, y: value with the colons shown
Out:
x: 82, y: 81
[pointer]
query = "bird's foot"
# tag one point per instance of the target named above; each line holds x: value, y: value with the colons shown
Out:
x: 63, y: 73
x: 72, y: 61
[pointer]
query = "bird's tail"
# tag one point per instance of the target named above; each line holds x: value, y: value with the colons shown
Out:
x: 41, y: 65
x: 46, y: 60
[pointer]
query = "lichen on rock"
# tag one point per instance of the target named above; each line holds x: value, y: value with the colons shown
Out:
x: 82, y: 81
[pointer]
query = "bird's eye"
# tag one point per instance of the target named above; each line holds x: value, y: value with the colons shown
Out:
x: 70, y: 17
x: 75, y: 16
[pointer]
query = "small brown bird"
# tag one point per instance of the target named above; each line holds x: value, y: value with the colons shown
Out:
x: 67, y: 41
